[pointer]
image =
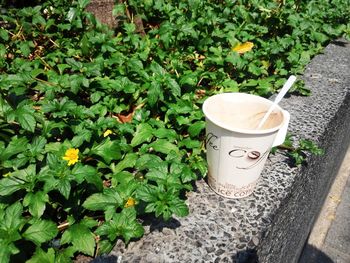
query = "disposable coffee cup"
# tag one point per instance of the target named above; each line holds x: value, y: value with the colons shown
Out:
x: 236, y: 149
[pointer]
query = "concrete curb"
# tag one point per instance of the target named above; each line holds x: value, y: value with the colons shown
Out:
x: 316, y: 240
x: 273, y: 224
x: 326, y: 118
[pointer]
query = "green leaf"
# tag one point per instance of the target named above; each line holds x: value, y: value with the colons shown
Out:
x: 15, y: 146
x: 132, y: 229
x: 149, y: 161
x: 122, y: 224
x: 147, y: 193
x: 174, y: 87
x: 36, y: 203
x: 26, y: 119
x: 89, y: 174
x: 38, y: 19
x: 162, y: 209
x: 74, y: 63
x: 10, y: 185
x: 81, y: 237
x: 179, y: 207
x: 101, y: 201
x: 62, y: 67
x: 25, y: 48
x: 230, y: 85
x: 235, y: 59
x: 83, y: 3
x: 156, y: 175
x: 119, y: 9
x: 40, y: 256
x: 154, y: 93
x: 128, y: 161
x: 20, y: 179
x: 189, y: 143
x: 64, y: 187
x: 189, y: 78
x: 196, y: 128
x: 123, y: 178
x: 7, y: 243
x: 151, y: 207
x: 4, y: 105
x: 41, y: 231
x: 135, y: 64
x: 164, y: 146
x: 319, y: 37
x: 37, y: 145
x: 65, y: 255
x: 108, y: 150
x: 143, y: 133
x: 79, y: 139
x: 162, y: 133
x: 3, y: 34
x: 5, y: 252
x: 13, y: 217
x: 254, y: 69
x: 83, y: 172
x: 187, y: 175
x: 71, y: 14
x: 105, y: 246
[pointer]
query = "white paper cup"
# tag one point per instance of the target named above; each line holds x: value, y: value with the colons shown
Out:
x: 236, y: 150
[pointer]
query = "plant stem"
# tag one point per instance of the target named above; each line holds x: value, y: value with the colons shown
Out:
x: 63, y: 226
x: 46, y: 82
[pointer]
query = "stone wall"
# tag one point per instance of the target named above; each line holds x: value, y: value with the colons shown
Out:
x: 103, y: 11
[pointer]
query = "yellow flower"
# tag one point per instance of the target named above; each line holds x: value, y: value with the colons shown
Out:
x: 131, y: 202
x: 242, y: 48
x: 71, y: 156
x: 7, y: 174
x: 107, y: 132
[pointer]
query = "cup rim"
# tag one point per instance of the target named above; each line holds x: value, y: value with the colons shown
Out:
x: 240, y: 130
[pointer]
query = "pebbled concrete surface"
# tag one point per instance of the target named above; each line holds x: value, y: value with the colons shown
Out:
x: 272, y: 224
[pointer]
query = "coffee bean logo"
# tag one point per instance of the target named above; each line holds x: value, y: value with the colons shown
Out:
x: 253, y: 155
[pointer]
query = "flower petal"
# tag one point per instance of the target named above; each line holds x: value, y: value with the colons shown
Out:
x: 242, y: 48
x: 130, y: 202
x: 107, y: 132
x: 72, y: 156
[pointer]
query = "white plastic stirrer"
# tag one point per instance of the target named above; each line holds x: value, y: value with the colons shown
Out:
x: 279, y: 97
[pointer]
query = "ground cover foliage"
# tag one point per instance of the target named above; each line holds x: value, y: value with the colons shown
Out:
x: 100, y: 128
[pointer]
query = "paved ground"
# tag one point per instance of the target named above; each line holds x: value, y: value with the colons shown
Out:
x: 329, y: 240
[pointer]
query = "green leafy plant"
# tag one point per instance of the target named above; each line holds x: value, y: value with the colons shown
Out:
x: 99, y: 128
x: 299, y: 151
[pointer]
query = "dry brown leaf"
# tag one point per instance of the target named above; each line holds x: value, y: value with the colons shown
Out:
x: 125, y: 118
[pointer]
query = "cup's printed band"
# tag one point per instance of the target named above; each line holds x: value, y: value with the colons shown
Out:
x: 230, y: 190
x: 238, y: 152
x: 235, y: 163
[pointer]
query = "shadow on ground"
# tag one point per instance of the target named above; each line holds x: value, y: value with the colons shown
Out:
x: 106, y: 259
x: 246, y: 256
x: 311, y: 254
